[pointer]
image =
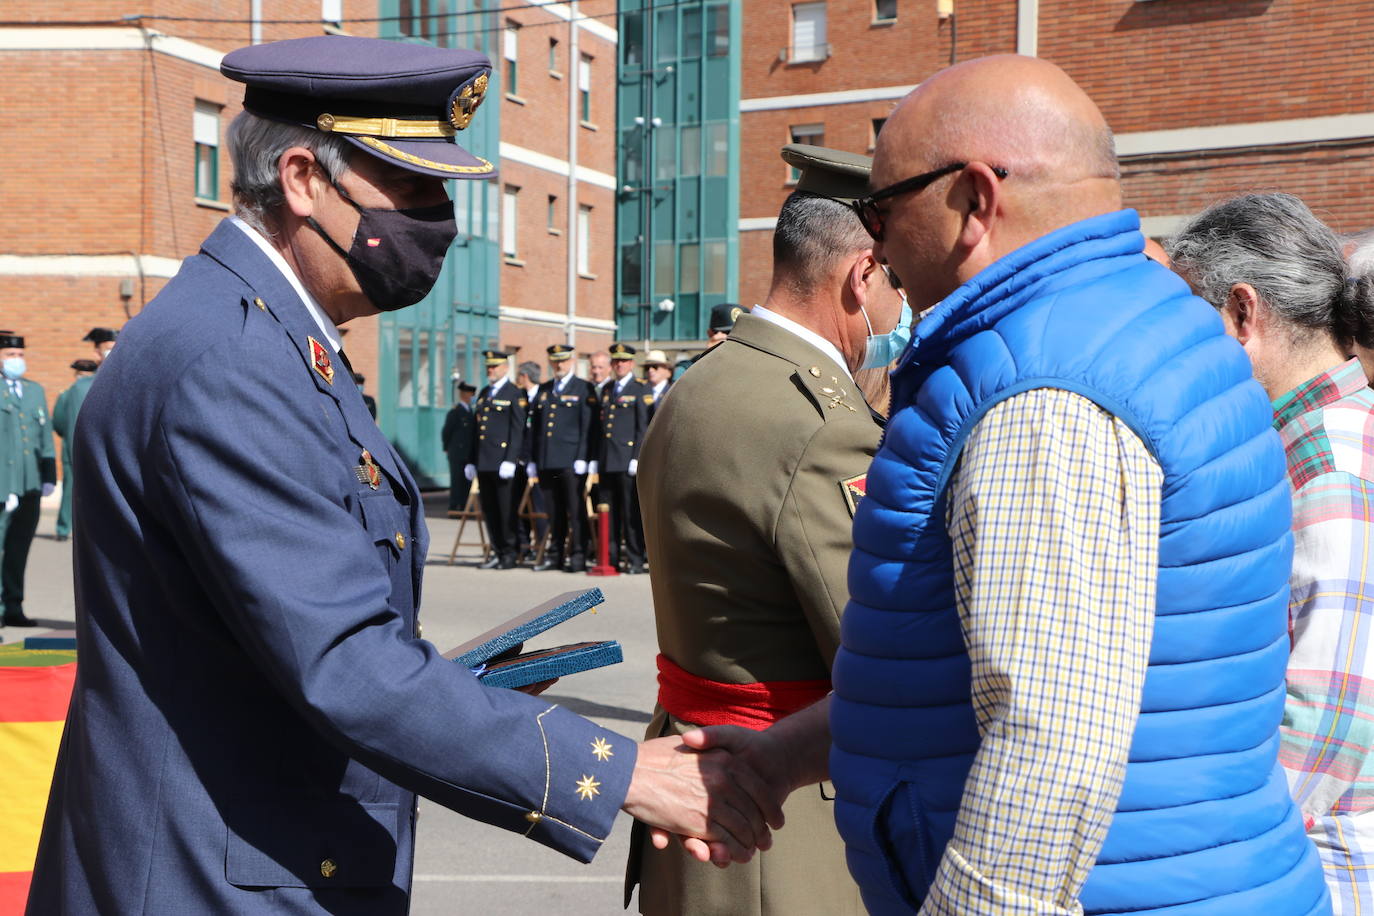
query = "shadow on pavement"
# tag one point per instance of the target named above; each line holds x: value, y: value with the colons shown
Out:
x: 594, y: 710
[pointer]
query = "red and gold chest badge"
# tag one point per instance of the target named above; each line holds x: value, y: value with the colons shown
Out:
x: 368, y: 472
x: 319, y: 360
x: 855, y: 488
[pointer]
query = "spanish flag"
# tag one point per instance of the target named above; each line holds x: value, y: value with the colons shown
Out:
x: 35, y: 688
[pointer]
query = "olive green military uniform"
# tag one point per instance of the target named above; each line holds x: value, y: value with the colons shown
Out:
x: 748, y: 524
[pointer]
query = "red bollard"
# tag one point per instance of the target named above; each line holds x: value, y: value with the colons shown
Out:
x: 604, y: 567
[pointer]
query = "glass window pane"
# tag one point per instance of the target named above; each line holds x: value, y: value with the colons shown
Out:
x: 715, y: 267
x: 718, y: 41
x: 462, y: 206
x: 666, y: 39
x: 632, y: 39
x: 553, y: 53
x: 690, y: 162
x: 205, y: 124
x: 553, y: 212
x: 493, y: 202
x: 631, y: 257
x: 663, y: 268
x: 405, y: 367
x: 422, y: 371
x: 691, y: 269
x: 884, y: 10
x: 718, y: 156
x: 691, y: 32
x: 808, y: 32
x: 584, y: 235
x: 665, y: 155
x: 508, y: 222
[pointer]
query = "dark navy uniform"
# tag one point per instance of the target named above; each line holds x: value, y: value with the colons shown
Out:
x: 622, y: 419
x: 560, y: 442
x: 254, y: 713
x: 500, y: 439
x: 458, y: 435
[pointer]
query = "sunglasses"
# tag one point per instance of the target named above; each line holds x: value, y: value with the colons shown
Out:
x: 867, y: 207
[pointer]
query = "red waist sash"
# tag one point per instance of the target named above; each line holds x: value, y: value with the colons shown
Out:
x: 754, y: 706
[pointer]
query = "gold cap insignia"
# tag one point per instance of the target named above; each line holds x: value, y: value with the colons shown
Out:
x: 735, y: 313
x: 465, y: 105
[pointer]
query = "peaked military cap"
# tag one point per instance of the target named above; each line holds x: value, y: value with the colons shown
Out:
x: 85, y: 365
x: 560, y: 353
x: 622, y: 351
x: 468, y: 387
x: 402, y: 103
x: 829, y: 172
x: 101, y: 335
x: 495, y: 357
x: 10, y: 339
x: 724, y: 316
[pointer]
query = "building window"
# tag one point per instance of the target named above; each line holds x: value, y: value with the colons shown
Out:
x: 584, y: 247
x: 510, y: 47
x: 813, y: 134
x: 553, y: 214
x: 205, y: 129
x: 553, y: 56
x: 718, y: 154
x: 689, y: 162
x: 508, y: 220
x: 877, y: 129
x: 717, y: 30
x: 808, y: 33
x: 884, y: 10
x: 689, y: 272
x: 584, y: 86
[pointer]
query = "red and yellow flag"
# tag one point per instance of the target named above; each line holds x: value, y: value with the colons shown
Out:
x: 35, y: 689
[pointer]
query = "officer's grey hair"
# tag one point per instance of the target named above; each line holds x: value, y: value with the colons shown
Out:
x: 255, y: 148
x: 813, y: 233
x: 1293, y: 260
x: 1361, y: 256
x: 531, y: 370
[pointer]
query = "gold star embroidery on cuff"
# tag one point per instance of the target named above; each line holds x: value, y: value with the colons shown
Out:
x: 601, y: 749
x: 587, y: 788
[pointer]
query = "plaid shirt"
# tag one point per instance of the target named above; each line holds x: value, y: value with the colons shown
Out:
x: 1327, y: 427
x: 1054, y: 509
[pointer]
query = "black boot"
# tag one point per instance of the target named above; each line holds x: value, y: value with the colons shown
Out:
x: 549, y: 562
x: 577, y: 564
x: 491, y: 562
x: 14, y: 617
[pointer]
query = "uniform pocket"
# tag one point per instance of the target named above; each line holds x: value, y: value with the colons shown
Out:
x: 384, y: 520
x: 312, y: 844
x: 901, y: 832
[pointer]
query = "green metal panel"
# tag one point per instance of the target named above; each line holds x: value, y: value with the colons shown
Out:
x: 677, y: 227
x: 422, y: 348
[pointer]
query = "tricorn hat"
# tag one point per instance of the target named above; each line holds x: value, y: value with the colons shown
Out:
x: 85, y: 365
x: 99, y: 336
x: 9, y: 339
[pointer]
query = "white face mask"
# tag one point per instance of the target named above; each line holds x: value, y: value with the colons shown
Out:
x: 14, y: 368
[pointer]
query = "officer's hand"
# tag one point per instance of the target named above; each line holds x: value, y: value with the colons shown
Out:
x: 579, y: 467
x: 531, y: 470
x: 591, y: 468
x: 507, y: 470
x: 48, y: 488
x: 469, y: 471
x: 699, y: 795
x: 11, y: 502
x: 634, y: 467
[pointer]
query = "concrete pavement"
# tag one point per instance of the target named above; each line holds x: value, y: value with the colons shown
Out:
x: 462, y: 866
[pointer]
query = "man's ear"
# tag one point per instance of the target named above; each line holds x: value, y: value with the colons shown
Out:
x: 297, y: 171
x: 861, y: 271
x: 978, y: 193
x: 1242, y: 309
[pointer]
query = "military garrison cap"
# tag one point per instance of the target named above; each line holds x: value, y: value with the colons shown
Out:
x: 10, y: 339
x: 101, y: 335
x: 724, y: 316
x: 85, y: 365
x: 622, y: 351
x: 559, y: 353
x: 402, y: 103
x: 829, y: 172
x: 496, y: 357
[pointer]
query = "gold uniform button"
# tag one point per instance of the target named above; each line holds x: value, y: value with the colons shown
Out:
x: 400, y: 541
x: 257, y: 300
x: 533, y: 817
x: 328, y: 868
x: 631, y: 442
x: 503, y: 445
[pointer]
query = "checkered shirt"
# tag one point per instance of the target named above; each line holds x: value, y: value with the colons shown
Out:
x: 1327, y: 427
x: 1054, y: 517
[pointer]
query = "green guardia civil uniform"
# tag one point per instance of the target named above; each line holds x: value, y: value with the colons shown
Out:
x: 26, y: 452
x: 64, y: 424
x: 747, y: 506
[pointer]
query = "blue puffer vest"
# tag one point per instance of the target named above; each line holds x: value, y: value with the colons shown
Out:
x: 1204, y: 825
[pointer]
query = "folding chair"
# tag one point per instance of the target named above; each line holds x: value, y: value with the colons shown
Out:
x: 527, y: 513
x: 472, y: 511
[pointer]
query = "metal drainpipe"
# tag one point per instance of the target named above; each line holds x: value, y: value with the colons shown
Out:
x: 574, y: 67
x: 1027, y: 27
x: 255, y: 18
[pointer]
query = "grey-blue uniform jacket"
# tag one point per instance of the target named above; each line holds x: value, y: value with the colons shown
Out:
x: 253, y: 711
x: 561, y: 424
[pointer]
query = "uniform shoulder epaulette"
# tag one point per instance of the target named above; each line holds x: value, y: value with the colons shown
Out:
x: 830, y: 392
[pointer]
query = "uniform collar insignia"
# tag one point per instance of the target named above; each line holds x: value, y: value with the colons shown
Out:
x: 319, y: 361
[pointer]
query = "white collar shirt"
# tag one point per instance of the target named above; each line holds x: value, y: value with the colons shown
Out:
x: 806, y: 334
x: 327, y: 327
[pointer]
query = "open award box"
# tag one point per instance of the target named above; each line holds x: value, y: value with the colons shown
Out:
x: 497, y: 660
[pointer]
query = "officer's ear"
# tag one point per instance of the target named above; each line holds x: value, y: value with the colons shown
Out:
x: 864, y: 270
x: 299, y: 175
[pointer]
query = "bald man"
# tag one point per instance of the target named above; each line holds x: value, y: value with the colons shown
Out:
x: 1067, y: 595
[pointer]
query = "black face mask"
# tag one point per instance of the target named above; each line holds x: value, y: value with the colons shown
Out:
x: 396, y: 255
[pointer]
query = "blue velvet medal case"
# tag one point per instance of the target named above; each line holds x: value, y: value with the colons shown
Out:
x: 497, y: 660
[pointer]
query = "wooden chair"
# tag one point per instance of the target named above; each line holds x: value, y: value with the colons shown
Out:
x: 470, y: 512
x: 528, y: 513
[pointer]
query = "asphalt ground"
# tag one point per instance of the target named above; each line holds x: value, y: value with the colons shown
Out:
x: 462, y: 866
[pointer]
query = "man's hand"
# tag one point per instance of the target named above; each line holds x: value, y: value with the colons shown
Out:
x: 703, y: 795
x: 506, y: 471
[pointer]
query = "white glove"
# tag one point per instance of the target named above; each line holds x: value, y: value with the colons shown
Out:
x: 634, y: 466
x: 591, y: 468
x: 48, y: 488
x: 11, y: 502
x: 507, y: 470
x: 469, y: 471
x: 531, y: 470
x: 580, y: 467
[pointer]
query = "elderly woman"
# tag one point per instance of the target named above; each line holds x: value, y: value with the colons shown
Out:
x: 1278, y: 277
